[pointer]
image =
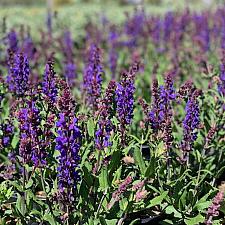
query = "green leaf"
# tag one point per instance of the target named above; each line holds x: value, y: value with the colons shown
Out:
x: 29, y: 184
x: 87, y: 176
x: 202, y: 203
x: 15, y: 141
x: 217, y: 222
x: 195, y: 220
x: 157, y: 200
x: 160, y: 149
x: 103, y: 179
x: 85, y: 155
x: 123, y: 204
x: 220, y: 171
x: 170, y: 209
x: 150, y: 171
x: 111, y: 222
x: 50, y: 219
x: 115, y: 161
x: 20, y: 204
x: 117, y: 174
x: 35, y: 212
x: 29, y: 197
x: 91, y: 127
x: 139, y: 160
x: 9, y: 193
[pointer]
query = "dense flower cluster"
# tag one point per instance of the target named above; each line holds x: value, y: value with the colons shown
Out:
x: 13, y: 41
x: 70, y: 72
x: 125, y: 99
x: 113, y: 53
x: 221, y: 86
x: 93, y: 76
x: 65, y: 101
x: 167, y: 95
x: 7, y: 133
x: 190, y: 123
x: 69, y: 66
x: 29, y: 47
x: 97, y: 155
x: 68, y: 144
x: 19, y: 71
x: 154, y: 112
x: 49, y: 82
x: 105, y: 127
x: 30, y: 145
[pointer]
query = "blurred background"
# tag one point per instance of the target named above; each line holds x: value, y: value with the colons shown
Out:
x: 74, y: 13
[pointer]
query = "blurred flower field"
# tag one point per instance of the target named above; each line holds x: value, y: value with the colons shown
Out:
x: 112, y: 114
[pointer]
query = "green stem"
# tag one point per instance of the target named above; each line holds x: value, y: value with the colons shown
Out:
x: 24, y: 190
x: 100, y: 204
x: 47, y: 199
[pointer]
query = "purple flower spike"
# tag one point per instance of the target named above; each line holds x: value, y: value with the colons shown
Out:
x: 13, y: 41
x: 17, y: 78
x: 221, y: 86
x: 125, y: 99
x: 7, y: 130
x: 30, y: 148
x: 68, y: 144
x: 70, y: 73
x: 93, y: 77
x: 190, y: 124
x: 49, y: 83
x: 105, y: 108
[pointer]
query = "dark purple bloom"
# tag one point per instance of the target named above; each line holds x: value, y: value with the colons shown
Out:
x: 49, y: 83
x: 32, y: 148
x: 13, y: 41
x: 69, y: 65
x: 68, y: 45
x: 125, y: 99
x: 65, y: 102
x: 160, y: 115
x: 190, y: 123
x: 28, y: 47
x: 68, y: 144
x: 93, y: 77
x: 202, y: 31
x: 105, y: 126
x: 222, y: 42
x: 7, y: 133
x: 168, y: 24
x: 186, y: 89
x: 167, y: 94
x: 113, y: 56
x: 135, y: 24
x: 221, y: 86
x: 154, y: 112
x: 17, y: 78
x: 70, y: 73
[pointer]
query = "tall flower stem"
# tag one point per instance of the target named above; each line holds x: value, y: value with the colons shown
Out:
x: 24, y: 189
x: 44, y: 189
